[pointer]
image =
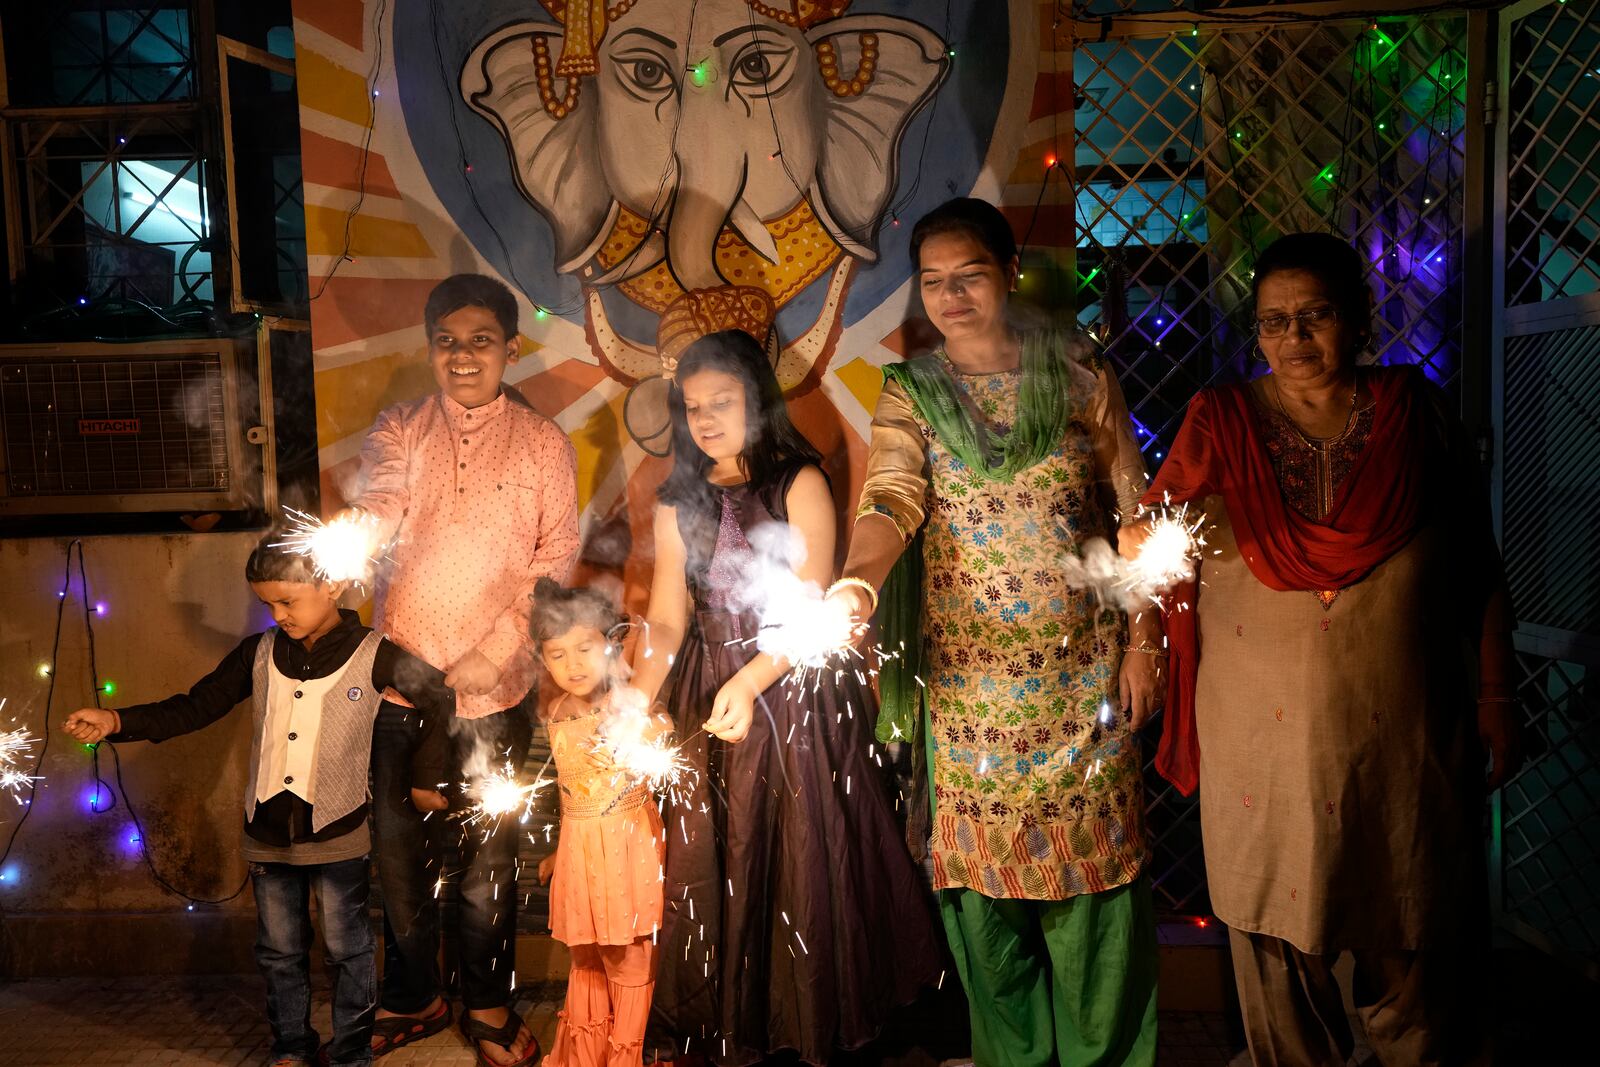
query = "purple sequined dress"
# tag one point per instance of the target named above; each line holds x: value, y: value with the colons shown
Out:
x: 794, y: 917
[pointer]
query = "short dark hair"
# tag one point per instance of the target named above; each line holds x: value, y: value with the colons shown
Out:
x: 1335, y: 263
x: 471, y: 290
x: 272, y: 562
x: 977, y: 219
x: 557, y: 609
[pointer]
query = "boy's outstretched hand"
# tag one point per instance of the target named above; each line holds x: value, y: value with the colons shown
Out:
x: 474, y: 674
x: 89, y: 725
x: 428, y: 800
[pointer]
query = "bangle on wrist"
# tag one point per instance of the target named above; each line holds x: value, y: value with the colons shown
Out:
x: 859, y: 583
x: 1497, y: 700
x: 1147, y: 648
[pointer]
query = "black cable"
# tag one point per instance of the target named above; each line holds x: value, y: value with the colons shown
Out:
x: 127, y: 801
x: 50, y: 694
x: 366, y: 149
x: 97, y: 689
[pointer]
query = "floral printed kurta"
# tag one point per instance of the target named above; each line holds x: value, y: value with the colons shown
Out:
x: 1036, y: 775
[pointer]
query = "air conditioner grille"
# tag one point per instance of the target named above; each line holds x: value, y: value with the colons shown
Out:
x: 97, y: 426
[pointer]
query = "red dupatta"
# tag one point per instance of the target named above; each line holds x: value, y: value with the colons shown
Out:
x: 1378, y: 509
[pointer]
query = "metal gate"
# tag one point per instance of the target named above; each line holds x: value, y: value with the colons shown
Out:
x: 1545, y: 843
x: 1194, y: 140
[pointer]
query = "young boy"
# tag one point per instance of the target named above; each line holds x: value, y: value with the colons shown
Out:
x: 315, y: 682
x: 482, y: 493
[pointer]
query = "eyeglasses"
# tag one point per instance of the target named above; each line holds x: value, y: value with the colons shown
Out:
x: 1314, y: 320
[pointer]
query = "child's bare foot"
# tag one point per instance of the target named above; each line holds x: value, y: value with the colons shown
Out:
x: 390, y: 1030
x: 518, y: 1050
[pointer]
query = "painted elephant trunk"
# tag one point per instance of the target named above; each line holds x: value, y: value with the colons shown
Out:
x: 712, y: 171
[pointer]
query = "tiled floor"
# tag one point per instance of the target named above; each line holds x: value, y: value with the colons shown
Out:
x: 219, y: 1022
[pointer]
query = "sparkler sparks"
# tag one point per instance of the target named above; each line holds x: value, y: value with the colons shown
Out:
x: 343, y: 550
x: 15, y: 746
x: 1167, y: 556
x: 499, y: 794
x: 640, y: 746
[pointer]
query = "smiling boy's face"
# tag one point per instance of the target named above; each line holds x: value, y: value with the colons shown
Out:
x: 469, y: 352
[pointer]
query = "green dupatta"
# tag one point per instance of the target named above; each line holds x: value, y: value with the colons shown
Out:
x: 1044, y: 409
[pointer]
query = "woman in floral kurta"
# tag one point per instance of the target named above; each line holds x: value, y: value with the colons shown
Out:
x: 999, y: 457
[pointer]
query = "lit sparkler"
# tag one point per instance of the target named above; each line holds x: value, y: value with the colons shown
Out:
x: 636, y: 743
x: 499, y: 794
x: 811, y: 632
x: 15, y: 747
x: 343, y: 550
x: 1167, y: 556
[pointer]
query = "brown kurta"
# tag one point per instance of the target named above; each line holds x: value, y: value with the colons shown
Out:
x: 1337, y: 744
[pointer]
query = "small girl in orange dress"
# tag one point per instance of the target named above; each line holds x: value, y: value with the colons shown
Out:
x: 605, y: 875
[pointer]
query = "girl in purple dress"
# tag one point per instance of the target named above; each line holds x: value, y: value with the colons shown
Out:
x: 794, y: 919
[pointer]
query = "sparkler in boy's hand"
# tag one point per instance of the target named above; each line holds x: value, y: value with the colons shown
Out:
x: 499, y: 794
x: 343, y: 549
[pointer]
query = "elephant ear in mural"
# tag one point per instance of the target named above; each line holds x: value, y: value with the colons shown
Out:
x: 711, y: 161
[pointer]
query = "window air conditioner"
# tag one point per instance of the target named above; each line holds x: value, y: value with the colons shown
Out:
x: 147, y: 427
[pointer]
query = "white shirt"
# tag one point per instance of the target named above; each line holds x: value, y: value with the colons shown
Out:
x: 288, y: 758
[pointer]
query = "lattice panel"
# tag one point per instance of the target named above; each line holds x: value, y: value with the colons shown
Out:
x: 114, y: 207
x: 1551, y: 496
x: 1553, y: 169
x: 1195, y: 150
x: 1550, y: 838
x: 100, y: 52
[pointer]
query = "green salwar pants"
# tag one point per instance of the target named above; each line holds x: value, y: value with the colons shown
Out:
x: 1069, y: 982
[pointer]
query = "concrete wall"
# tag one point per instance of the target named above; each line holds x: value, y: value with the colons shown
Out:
x: 75, y: 895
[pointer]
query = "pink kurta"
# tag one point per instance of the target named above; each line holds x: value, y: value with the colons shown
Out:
x: 485, y: 503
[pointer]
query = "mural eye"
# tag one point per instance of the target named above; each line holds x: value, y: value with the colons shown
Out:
x: 755, y: 67
x: 762, y: 68
x: 648, y: 74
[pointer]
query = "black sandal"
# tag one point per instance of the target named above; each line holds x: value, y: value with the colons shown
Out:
x: 397, y: 1030
x: 505, y: 1036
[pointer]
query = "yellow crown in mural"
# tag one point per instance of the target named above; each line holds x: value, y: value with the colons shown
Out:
x: 585, y: 22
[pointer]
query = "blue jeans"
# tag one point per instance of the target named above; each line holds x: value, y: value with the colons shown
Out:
x: 283, y: 948
x: 408, y: 864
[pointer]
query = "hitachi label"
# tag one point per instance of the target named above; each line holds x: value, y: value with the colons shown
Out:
x: 87, y: 427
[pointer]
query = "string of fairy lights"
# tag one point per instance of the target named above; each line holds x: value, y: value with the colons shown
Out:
x: 102, y: 797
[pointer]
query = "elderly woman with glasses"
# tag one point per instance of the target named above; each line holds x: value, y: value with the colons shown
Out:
x: 1338, y: 675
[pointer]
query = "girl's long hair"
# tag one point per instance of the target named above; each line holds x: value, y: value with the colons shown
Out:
x: 773, y: 448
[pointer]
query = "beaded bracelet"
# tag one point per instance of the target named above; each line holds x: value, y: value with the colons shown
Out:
x: 1147, y: 648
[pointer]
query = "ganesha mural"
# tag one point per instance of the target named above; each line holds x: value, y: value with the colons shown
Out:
x: 700, y: 164
x: 709, y: 160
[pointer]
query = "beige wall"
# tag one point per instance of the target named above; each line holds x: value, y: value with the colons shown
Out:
x: 174, y: 606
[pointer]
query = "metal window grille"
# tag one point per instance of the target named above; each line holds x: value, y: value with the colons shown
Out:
x: 100, y: 53
x: 1195, y: 146
x: 114, y: 205
x: 1553, y: 164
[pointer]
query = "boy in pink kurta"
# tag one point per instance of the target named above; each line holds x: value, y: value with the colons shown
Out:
x: 479, y: 494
